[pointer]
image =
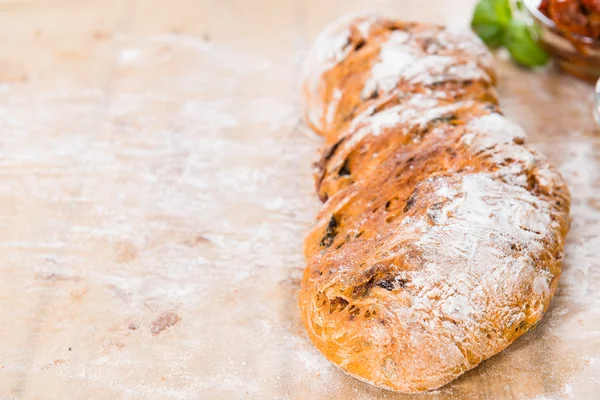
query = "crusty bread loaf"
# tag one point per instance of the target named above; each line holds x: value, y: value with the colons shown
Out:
x: 441, y: 237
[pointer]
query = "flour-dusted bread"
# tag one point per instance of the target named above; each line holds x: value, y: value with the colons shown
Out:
x: 442, y: 233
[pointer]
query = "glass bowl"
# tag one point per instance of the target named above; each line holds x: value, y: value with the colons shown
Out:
x: 576, y: 54
x: 597, y: 107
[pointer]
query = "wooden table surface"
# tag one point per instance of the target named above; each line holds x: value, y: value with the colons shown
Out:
x: 155, y: 188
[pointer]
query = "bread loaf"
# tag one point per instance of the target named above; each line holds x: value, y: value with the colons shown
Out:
x: 441, y: 236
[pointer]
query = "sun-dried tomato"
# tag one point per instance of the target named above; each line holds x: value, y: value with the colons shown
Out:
x: 576, y: 16
x: 544, y: 6
x: 568, y: 15
x: 592, y: 6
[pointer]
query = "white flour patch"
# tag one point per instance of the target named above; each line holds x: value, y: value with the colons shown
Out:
x: 394, y: 57
x: 581, y: 252
x: 129, y: 56
x: 568, y: 389
x: 481, y: 208
x: 314, y: 361
x: 416, y: 112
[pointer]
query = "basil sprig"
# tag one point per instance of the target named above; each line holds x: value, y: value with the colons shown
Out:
x: 490, y: 19
x: 494, y: 22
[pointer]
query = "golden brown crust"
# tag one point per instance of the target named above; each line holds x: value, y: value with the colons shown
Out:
x: 442, y: 233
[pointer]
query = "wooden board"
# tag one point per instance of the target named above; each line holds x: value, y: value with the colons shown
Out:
x: 155, y: 189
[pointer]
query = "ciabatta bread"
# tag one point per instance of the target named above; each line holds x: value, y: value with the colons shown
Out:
x: 442, y: 233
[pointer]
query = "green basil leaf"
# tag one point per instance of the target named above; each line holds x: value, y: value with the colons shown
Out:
x: 492, y: 35
x: 522, y: 47
x: 493, y: 11
x: 490, y: 19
